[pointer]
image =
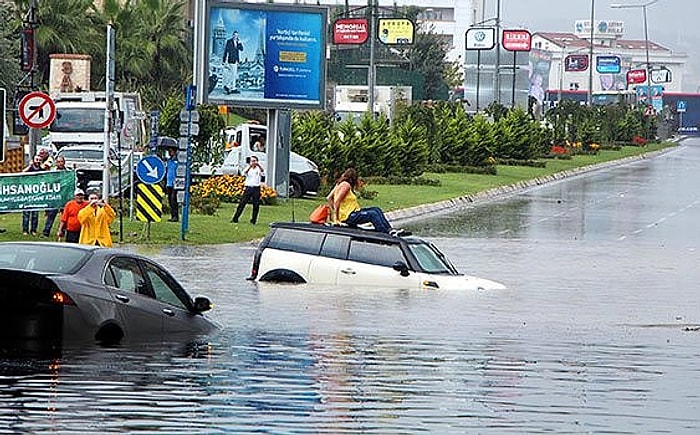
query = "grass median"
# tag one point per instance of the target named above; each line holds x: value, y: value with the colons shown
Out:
x: 204, y: 229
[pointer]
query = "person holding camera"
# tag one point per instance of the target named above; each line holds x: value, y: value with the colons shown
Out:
x: 254, y: 176
x: 94, y: 222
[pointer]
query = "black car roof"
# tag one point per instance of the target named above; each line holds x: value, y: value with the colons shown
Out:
x: 343, y: 230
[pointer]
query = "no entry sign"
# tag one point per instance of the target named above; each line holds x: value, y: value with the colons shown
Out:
x: 37, y: 110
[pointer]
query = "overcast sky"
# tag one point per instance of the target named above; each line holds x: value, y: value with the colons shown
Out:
x: 671, y: 23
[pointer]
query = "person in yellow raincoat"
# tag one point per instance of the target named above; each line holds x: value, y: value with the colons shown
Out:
x: 94, y: 222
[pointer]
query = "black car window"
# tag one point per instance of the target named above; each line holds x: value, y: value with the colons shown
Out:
x: 305, y: 242
x: 335, y: 246
x: 381, y: 254
x: 42, y: 258
x: 163, y: 287
x: 125, y: 274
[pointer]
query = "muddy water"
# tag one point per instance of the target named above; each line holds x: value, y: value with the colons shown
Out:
x: 599, y: 331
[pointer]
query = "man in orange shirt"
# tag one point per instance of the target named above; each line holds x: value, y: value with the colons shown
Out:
x: 70, y: 225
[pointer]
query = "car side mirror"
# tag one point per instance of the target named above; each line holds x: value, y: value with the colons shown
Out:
x: 401, y: 267
x: 202, y: 304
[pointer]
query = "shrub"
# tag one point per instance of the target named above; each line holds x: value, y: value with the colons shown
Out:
x: 229, y: 188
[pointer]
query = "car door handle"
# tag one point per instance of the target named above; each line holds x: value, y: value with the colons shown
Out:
x: 168, y: 312
x: 348, y: 271
x: 121, y: 298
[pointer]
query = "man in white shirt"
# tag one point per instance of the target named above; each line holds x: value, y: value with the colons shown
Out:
x: 254, y: 174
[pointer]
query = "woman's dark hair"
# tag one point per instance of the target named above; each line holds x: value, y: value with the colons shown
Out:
x: 350, y: 175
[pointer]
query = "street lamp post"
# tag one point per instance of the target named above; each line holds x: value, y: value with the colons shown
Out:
x: 644, y: 7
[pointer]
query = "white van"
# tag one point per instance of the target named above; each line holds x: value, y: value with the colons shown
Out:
x: 243, y: 141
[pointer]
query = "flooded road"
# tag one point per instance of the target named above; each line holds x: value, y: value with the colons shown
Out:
x: 598, y: 331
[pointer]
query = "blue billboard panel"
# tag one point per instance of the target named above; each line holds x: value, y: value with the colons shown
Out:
x: 265, y: 55
x: 608, y: 64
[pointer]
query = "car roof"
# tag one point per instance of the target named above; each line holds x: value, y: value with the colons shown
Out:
x: 343, y: 230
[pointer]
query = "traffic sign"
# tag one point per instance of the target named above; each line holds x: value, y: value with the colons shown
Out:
x: 185, y: 115
x: 149, y: 202
x: 150, y: 169
x: 193, y: 129
x: 37, y: 110
x: 681, y: 106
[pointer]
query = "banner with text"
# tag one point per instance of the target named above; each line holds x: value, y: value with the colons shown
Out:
x: 36, y: 190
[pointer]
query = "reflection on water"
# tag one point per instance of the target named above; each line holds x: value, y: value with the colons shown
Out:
x: 597, y: 332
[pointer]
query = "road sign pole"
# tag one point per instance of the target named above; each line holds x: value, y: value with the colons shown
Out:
x: 190, y: 105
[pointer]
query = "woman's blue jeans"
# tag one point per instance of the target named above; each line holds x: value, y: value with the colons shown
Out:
x: 373, y: 215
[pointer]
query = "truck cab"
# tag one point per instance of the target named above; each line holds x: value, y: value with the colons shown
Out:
x: 80, y: 120
x: 250, y: 139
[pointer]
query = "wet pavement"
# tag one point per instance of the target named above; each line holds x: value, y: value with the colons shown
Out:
x: 598, y: 331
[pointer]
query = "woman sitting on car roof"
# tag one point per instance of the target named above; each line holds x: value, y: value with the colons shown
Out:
x: 345, y: 208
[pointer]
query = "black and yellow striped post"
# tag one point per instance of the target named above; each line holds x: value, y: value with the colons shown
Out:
x: 149, y: 202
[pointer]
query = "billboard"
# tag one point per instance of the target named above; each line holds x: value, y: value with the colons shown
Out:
x: 350, y: 31
x: 480, y: 38
x: 263, y: 55
x: 516, y: 40
x: 576, y: 63
x: 396, y: 31
x: 608, y: 64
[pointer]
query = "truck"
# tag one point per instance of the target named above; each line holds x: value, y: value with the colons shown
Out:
x: 244, y: 141
x: 78, y: 130
x: 80, y: 119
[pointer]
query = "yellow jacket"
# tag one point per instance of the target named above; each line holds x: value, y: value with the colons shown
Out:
x: 94, y: 225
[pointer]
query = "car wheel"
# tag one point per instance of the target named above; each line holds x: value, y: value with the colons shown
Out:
x: 296, y: 189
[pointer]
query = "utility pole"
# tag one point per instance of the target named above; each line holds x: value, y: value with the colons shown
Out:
x: 591, y: 62
x: 371, y: 72
x: 497, y: 72
x: 29, y: 64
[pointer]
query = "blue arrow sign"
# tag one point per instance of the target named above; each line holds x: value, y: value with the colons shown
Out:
x: 150, y: 169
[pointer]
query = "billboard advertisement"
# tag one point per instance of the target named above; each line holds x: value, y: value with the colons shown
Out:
x: 396, y: 31
x: 264, y: 55
x: 576, y: 63
x: 350, y: 31
x: 480, y: 38
x: 516, y: 40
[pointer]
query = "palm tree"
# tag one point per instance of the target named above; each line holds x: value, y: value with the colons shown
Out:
x: 64, y: 26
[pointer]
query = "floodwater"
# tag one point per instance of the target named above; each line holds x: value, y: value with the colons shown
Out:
x: 598, y: 332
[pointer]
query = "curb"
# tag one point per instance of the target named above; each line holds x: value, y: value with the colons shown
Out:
x: 511, y: 189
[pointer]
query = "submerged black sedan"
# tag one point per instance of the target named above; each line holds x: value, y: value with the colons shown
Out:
x: 60, y: 292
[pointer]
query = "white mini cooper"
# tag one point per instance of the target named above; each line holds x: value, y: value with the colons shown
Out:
x: 326, y: 255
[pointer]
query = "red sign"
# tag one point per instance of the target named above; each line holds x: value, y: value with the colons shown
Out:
x: 37, y: 110
x: 350, y: 31
x: 636, y: 76
x: 576, y: 63
x: 516, y: 40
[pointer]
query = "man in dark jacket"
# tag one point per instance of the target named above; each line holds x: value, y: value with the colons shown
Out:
x: 232, y: 59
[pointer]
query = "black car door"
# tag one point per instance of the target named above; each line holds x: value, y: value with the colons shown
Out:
x: 175, y: 302
x: 141, y: 313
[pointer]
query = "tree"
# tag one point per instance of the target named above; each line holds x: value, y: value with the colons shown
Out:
x: 64, y: 26
x: 9, y: 50
x: 428, y: 56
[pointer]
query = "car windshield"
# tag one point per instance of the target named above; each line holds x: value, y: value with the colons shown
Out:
x: 430, y: 258
x: 79, y: 120
x: 82, y: 154
x: 42, y: 258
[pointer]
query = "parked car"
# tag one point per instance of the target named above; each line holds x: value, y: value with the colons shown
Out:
x: 328, y: 255
x: 62, y: 292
